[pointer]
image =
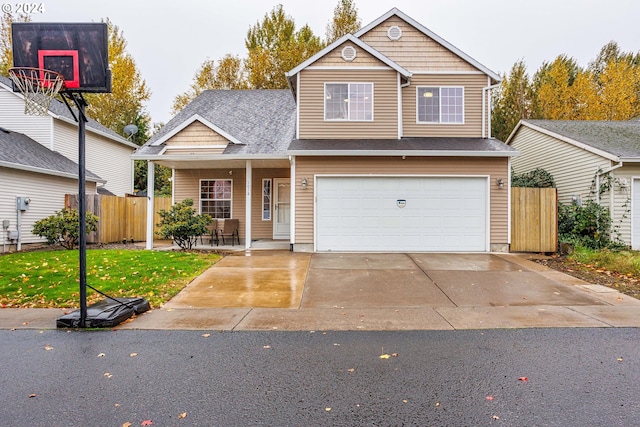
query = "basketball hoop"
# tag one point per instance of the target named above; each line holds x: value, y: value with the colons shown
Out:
x: 38, y: 86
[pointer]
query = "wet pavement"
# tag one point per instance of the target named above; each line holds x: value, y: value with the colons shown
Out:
x: 281, y: 290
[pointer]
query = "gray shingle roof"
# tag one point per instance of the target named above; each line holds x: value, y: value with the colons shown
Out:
x: 263, y: 121
x: 20, y: 150
x: 620, y: 138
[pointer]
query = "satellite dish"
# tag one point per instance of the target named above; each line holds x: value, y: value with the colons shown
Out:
x: 130, y: 130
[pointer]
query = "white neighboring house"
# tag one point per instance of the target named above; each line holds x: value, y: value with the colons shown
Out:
x: 38, y: 159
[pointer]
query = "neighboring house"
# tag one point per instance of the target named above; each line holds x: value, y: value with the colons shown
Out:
x: 107, y: 154
x: 583, y: 156
x: 30, y: 170
x: 381, y: 144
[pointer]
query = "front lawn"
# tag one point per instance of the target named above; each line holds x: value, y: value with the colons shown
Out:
x: 50, y: 278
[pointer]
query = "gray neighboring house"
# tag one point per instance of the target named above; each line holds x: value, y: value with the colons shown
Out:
x: 584, y: 155
x: 28, y: 169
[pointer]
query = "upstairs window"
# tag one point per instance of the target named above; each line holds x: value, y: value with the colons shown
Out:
x: 348, y: 101
x: 216, y: 198
x: 440, y: 105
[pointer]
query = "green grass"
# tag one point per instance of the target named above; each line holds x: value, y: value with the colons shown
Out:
x: 624, y: 262
x: 51, y: 279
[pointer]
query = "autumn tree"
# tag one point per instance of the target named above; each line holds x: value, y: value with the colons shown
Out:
x: 6, y: 48
x: 275, y: 47
x: 345, y: 21
x: 227, y: 73
x: 511, y: 101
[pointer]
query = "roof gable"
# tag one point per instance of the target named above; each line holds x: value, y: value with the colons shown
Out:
x: 196, y: 118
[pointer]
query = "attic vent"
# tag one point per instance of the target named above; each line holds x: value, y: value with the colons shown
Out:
x: 394, y: 33
x: 349, y: 53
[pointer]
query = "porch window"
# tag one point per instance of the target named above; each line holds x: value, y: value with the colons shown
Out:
x: 440, y: 105
x: 216, y: 197
x: 348, y: 101
x: 266, y: 200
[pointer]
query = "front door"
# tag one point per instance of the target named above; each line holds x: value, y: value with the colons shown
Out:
x: 282, y: 208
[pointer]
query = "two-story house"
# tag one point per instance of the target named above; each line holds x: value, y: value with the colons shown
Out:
x: 382, y: 143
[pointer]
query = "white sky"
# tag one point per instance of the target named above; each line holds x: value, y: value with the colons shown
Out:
x: 170, y: 39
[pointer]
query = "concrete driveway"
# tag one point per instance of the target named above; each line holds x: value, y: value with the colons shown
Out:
x: 278, y: 290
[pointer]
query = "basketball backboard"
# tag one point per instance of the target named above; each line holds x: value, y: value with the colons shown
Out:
x: 78, y: 51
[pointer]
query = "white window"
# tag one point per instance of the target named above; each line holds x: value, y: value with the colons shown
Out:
x: 348, y: 101
x: 216, y: 197
x: 266, y: 200
x: 440, y: 104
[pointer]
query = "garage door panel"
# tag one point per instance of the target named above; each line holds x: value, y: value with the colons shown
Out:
x: 363, y: 214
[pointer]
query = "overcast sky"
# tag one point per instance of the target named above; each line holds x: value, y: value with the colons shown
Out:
x: 169, y: 39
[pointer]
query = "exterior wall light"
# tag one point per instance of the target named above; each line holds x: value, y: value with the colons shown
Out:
x: 304, y: 183
x: 500, y: 183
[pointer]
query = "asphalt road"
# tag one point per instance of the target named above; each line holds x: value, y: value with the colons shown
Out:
x: 574, y: 377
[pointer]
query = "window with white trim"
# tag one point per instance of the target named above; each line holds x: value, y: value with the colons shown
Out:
x: 440, y: 104
x: 348, y: 101
x: 216, y: 197
x: 266, y: 199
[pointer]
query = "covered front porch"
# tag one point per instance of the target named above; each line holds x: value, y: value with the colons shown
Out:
x: 257, y: 192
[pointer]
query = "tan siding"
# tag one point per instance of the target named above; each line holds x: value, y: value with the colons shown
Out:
x: 414, y: 51
x: 45, y: 191
x: 187, y: 186
x: 106, y: 158
x: 472, y: 127
x: 363, y: 58
x: 196, y: 134
x: 385, y: 105
x: 186, y: 151
x: 573, y: 168
x: 310, y: 166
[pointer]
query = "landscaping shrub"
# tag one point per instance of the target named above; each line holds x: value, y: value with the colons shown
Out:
x: 587, y: 225
x: 537, y: 178
x: 63, y: 227
x: 181, y: 224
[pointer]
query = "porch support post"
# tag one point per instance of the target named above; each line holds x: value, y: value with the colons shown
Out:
x: 151, y: 178
x: 247, y: 219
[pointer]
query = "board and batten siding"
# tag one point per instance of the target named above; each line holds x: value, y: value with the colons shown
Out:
x: 385, y: 105
x: 472, y: 127
x: 573, y: 168
x: 106, y: 158
x: 37, y: 128
x: 196, y: 134
x: 46, y: 193
x: 414, y: 50
x: 309, y: 167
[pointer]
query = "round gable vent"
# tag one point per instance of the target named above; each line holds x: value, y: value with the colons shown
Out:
x: 349, y: 53
x: 394, y: 33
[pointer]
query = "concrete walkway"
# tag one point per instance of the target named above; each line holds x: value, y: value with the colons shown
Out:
x: 281, y: 290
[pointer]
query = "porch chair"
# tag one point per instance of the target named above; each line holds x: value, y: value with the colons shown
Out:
x: 230, y: 229
x: 211, y: 233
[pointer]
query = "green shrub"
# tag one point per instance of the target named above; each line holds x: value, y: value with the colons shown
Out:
x: 588, y: 225
x: 63, y: 227
x: 181, y: 224
x: 537, y: 178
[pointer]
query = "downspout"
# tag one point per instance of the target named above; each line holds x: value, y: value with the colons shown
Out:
x: 486, y: 118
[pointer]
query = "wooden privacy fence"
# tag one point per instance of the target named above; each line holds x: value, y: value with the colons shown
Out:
x: 120, y: 217
x: 534, y: 219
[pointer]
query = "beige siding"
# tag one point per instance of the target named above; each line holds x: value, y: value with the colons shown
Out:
x: 187, y: 151
x: 196, y: 134
x: 310, y: 166
x: 108, y: 159
x: 472, y: 127
x: 621, y: 194
x: 573, y: 168
x: 37, y: 128
x: 414, y: 51
x: 187, y: 186
x: 46, y: 193
x: 385, y: 105
x: 363, y: 58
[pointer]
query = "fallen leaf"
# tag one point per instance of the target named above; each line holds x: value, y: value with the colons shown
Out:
x: 127, y: 425
x: 206, y: 335
x: 404, y: 400
x: 394, y: 354
x: 437, y: 403
x: 489, y: 397
x: 351, y: 370
x: 101, y: 355
x: 327, y: 409
x: 523, y: 379
x: 182, y: 415
x: 48, y: 347
x: 32, y: 395
x: 495, y: 417
x: 384, y: 356
x: 619, y: 359
x: 133, y: 354
x: 146, y: 423
x: 266, y: 346
x: 108, y: 375
x: 26, y: 323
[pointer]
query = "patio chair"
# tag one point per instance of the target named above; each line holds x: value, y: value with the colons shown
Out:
x: 211, y: 233
x: 230, y: 229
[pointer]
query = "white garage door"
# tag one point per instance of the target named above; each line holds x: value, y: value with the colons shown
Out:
x: 401, y: 214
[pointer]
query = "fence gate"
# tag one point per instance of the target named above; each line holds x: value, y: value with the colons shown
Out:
x: 534, y: 219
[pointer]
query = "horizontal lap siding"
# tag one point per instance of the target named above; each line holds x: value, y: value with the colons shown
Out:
x: 621, y: 218
x: 472, y: 127
x: 196, y: 134
x: 263, y: 229
x: 414, y: 50
x: 310, y: 166
x: 37, y: 128
x: 385, y: 105
x: 362, y: 59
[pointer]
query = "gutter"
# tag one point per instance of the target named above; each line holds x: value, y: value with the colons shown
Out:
x: 404, y: 153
